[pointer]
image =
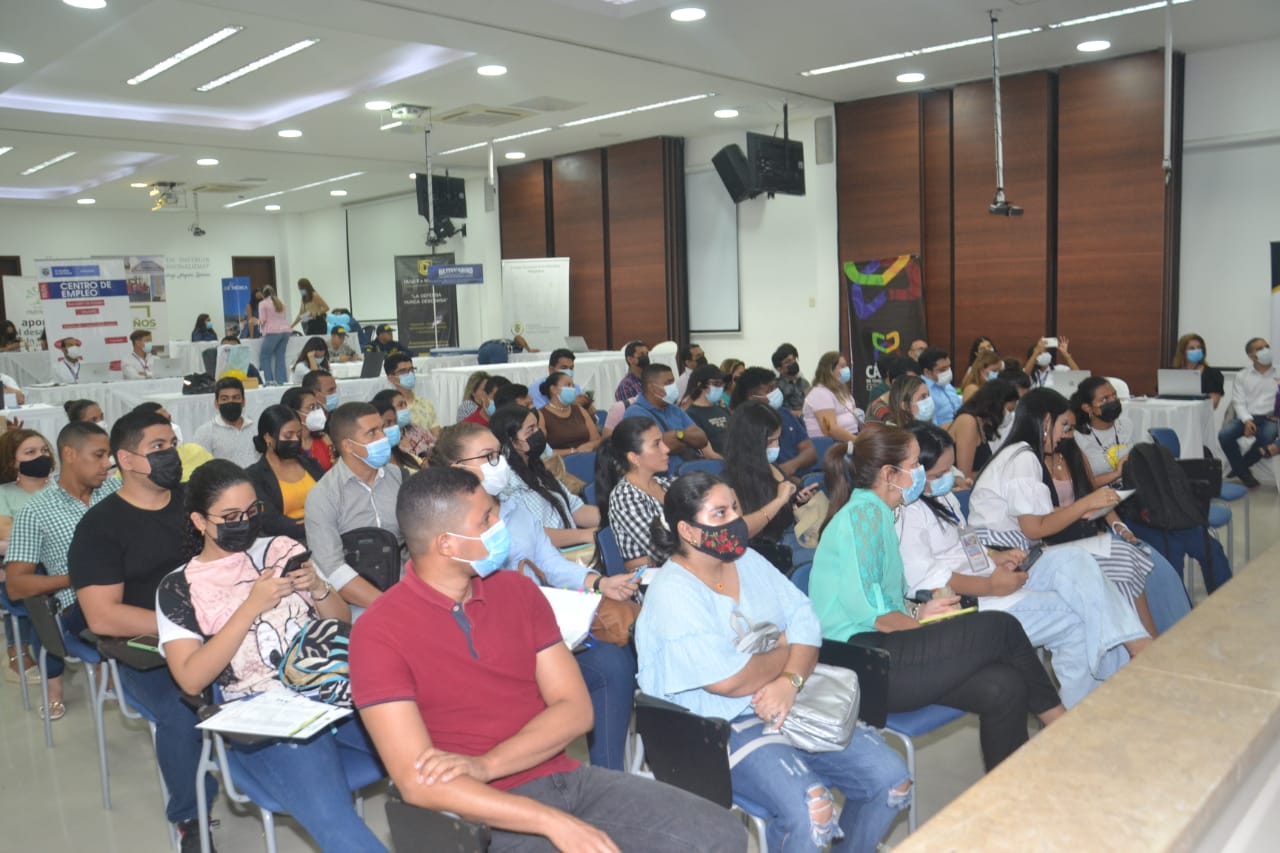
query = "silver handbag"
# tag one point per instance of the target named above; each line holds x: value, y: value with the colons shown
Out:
x: 825, y: 712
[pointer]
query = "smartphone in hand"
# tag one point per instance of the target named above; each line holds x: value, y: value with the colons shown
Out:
x: 295, y: 563
x: 1034, y: 554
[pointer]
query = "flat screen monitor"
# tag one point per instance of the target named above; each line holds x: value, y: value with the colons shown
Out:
x: 777, y: 165
x: 450, y: 196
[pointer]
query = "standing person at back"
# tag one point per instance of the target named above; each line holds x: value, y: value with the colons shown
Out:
x: 275, y: 337
x: 1252, y: 413
x: 313, y: 313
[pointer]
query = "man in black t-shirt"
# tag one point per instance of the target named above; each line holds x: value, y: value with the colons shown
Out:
x: 122, y: 549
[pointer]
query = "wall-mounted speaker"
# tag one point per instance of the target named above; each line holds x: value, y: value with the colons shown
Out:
x: 731, y: 164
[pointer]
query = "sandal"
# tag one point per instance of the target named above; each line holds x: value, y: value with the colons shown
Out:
x: 59, y: 710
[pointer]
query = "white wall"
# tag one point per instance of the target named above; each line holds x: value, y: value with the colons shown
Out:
x: 1230, y: 196
x: 788, y: 262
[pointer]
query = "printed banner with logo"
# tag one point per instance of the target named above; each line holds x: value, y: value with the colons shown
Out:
x: 22, y: 307
x: 886, y: 313
x: 235, y: 307
x: 87, y: 300
x: 148, y: 299
x: 1275, y: 292
x: 427, y: 299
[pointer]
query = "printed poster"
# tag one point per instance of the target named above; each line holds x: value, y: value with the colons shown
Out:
x: 235, y: 307
x: 427, y: 308
x: 22, y: 306
x: 886, y: 313
x: 87, y: 300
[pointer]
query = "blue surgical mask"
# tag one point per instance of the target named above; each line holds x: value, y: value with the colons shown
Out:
x: 845, y: 375
x: 146, y: 347
x: 771, y: 453
x: 568, y: 371
x: 924, y: 409
x: 497, y: 544
x: 490, y: 408
x: 1195, y: 356
x: 409, y: 380
x: 331, y: 402
x: 943, y: 485
x: 670, y: 394
x: 568, y: 394
x: 775, y: 398
x: 208, y: 324
x: 714, y: 394
x: 404, y: 417
x: 377, y: 452
x: 911, y: 493
x: 393, y: 434
x: 993, y: 375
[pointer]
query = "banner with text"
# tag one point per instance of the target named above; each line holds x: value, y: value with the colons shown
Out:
x: 87, y: 300
x: 235, y: 307
x: 427, y: 304
x: 886, y: 313
x: 535, y: 300
x: 148, y: 297
x: 22, y: 307
x: 1275, y: 292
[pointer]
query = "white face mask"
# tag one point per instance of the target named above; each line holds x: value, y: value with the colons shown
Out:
x: 1043, y: 359
x: 315, y: 420
x: 945, y: 377
x: 1263, y: 356
x: 494, y: 478
x: 73, y: 352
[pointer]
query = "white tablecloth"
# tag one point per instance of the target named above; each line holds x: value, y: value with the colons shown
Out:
x: 191, y: 355
x: 44, y: 419
x: 598, y: 373
x: 115, y: 398
x: 27, y: 367
x: 1192, y: 420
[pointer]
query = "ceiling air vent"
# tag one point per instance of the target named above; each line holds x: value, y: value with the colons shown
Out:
x: 479, y: 115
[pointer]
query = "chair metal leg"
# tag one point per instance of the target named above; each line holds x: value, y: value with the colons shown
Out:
x: 762, y: 832
x: 1231, y: 540
x: 1247, y: 554
x: 269, y: 830
x: 911, y: 771
x: 202, y: 804
x: 97, y: 699
x: 44, y: 695
x: 22, y: 672
x: 174, y: 840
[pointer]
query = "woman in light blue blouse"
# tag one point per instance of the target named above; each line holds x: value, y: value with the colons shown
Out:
x: 710, y: 590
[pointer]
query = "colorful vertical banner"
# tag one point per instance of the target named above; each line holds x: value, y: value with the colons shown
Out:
x: 1275, y: 291
x: 87, y: 300
x: 22, y: 306
x: 236, y: 293
x: 148, y: 297
x: 427, y: 305
x: 886, y: 313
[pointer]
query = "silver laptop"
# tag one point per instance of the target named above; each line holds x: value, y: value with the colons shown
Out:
x: 166, y: 368
x: 577, y: 343
x: 1179, y: 385
x: 1065, y: 382
x: 95, y: 373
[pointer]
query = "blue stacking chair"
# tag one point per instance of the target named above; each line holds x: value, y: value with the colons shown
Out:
x: 821, y: 444
x: 16, y: 613
x: 581, y: 465
x: 601, y: 416
x: 814, y: 478
x: 1220, y: 514
x: 54, y: 640
x: 962, y: 497
x: 711, y: 466
x: 607, y: 548
x: 589, y: 493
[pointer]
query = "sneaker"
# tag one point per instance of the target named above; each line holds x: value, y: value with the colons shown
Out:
x: 189, y: 835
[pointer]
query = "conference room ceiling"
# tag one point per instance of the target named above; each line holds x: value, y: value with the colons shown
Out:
x: 567, y: 60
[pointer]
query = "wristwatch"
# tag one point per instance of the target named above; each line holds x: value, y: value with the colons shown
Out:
x: 797, y: 680
x: 680, y: 434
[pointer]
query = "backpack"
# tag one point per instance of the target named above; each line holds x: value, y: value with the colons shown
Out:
x: 1167, y: 497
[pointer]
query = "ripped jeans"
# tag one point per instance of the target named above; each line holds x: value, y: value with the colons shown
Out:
x: 792, y: 786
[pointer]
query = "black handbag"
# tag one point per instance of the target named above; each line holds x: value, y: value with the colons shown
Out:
x: 776, y: 553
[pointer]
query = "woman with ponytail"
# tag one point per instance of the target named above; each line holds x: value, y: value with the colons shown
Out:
x: 713, y: 589
x: 978, y: 662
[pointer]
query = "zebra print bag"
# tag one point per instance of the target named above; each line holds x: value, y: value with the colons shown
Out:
x: 315, y: 663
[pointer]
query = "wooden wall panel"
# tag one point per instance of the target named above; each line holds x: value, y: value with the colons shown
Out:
x: 1003, y: 271
x: 637, y: 242
x: 878, y: 182
x: 1111, y: 203
x: 522, y: 210
x: 935, y: 163
x: 577, y: 193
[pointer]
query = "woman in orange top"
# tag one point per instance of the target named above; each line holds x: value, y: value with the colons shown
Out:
x: 284, y: 475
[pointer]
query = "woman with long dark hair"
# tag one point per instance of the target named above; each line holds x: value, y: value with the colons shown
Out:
x: 314, y: 311
x: 411, y: 445
x: 569, y: 427
x: 284, y: 476
x: 227, y: 616
x: 765, y: 494
x: 1064, y: 601
x: 631, y: 483
x: 1103, y: 432
x: 314, y: 355
x: 309, y: 407
x: 1190, y: 354
x: 203, y: 331
x: 704, y: 398
x: 567, y: 520
x: 26, y: 463
x: 710, y: 584
x: 981, y: 424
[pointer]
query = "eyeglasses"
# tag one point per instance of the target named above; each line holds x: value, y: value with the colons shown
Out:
x: 254, y: 509
x: 491, y: 457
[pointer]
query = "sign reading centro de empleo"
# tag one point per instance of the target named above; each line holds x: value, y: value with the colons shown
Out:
x: 87, y: 301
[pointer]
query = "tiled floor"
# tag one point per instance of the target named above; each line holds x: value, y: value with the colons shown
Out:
x: 51, y: 798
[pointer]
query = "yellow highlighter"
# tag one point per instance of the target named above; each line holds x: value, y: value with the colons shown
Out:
x: 948, y: 615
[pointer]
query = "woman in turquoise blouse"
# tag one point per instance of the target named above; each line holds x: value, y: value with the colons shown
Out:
x: 978, y: 662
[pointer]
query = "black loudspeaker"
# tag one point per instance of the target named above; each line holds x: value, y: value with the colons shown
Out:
x: 731, y: 163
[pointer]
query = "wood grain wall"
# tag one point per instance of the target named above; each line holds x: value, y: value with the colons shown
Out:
x: 577, y: 193
x: 524, y: 212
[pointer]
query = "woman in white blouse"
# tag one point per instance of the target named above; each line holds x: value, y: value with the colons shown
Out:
x: 829, y: 407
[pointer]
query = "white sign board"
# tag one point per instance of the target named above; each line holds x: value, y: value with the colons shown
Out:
x: 87, y: 300
x: 22, y: 307
x: 535, y: 301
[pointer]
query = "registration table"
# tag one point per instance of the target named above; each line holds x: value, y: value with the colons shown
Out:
x: 1192, y: 420
x: 191, y: 355
x: 600, y: 373
x: 115, y: 398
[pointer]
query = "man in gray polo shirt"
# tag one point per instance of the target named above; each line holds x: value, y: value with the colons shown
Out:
x: 359, y: 491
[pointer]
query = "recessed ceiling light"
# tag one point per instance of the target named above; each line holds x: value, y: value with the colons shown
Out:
x: 271, y: 207
x: 688, y: 14
x: 659, y: 105
x: 413, y: 176
x: 86, y: 201
x: 207, y: 161
x: 514, y: 155
x: 184, y: 54
x: 1093, y: 46
x: 910, y: 77
x: 337, y: 193
x: 377, y: 106
x: 288, y: 134
x: 7, y: 58
x: 725, y: 114
x: 87, y: 4
x: 139, y: 185
x: 261, y: 62
x: 47, y: 163
x: 491, y: 70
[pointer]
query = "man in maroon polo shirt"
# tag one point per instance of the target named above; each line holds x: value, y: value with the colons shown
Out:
x: 471, y: 697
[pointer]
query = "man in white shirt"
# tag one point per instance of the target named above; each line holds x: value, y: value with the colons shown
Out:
x: 230, y: 434
x: 68, y: 369
x: 690, y: 358
x: 1253, y: 412
x: 137, y: 364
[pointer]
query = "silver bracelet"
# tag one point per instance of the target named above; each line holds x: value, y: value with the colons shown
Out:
x: 328, y: 591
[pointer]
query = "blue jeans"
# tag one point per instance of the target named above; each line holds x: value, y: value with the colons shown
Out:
x: 1177, y: 545
x: 784, y: 780
x: 177, y: 738
x: 1233, y: 430
x: 307, y: 780
x: 1166, y: 596
x: 272, y: 357
x: 610, y: 674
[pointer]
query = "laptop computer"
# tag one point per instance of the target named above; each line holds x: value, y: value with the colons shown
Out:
x: 1065, y: 382
x: 1178, y: 385
x: 95, y: 373
x: 166, y: 368
x: 577, y: 343
x: 372, y: 367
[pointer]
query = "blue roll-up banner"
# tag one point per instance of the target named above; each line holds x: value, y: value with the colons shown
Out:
x: 235, y: 305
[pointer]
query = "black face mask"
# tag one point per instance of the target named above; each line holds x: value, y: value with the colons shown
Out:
x: 38, y: 468
x: 701, y: 361
x: 231, y: 412
x: 726, y: 541
x: 537, y: 444
x: 237, y: 536
x: 166, y: 468
x: 1110, y: 412
x: 289, y: 449
x: 793, y: 369
x: 642, y: 361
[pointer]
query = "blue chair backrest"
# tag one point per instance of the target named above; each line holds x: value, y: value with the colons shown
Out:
x: 364, y: 335
x: 581, y: 465
x: 814, y: 478
x: 711, y: 466
x: 800, y: 577
x: 963, y: 497
x: 493, y: 352
x: 1168, y: 439
x: 609, y: 552
x: 601, y: 416
x: 589, y: 493
x: 821, y: 444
